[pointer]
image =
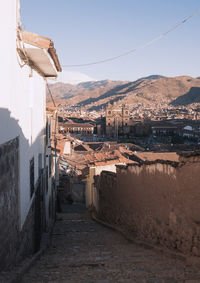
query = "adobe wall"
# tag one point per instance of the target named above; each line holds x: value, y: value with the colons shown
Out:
x: 158, y: 202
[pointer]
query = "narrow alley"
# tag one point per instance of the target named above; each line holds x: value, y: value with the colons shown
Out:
x: 85, y: 251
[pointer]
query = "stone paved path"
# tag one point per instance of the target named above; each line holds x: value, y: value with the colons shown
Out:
x: 86, y: 252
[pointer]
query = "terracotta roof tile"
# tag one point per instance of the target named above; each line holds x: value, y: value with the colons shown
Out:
x: 42, y: 42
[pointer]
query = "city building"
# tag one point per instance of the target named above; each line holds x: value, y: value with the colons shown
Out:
x: 117, y: 120
x: 78, y: 128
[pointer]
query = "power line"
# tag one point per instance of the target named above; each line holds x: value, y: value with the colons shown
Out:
x: 148, y: 43
x: 50, y: 94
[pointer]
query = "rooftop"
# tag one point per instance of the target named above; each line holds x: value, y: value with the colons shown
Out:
x: 40, y: 53
x: 106, y: 158
x: 73, y: 125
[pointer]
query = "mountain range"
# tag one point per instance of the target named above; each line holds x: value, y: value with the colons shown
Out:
x: 181, y: 90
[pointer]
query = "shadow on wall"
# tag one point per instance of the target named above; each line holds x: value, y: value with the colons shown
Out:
x: 192, y: 96
x: 9, y: 128
x: 15, y: 243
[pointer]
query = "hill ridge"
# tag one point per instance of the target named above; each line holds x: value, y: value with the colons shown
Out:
x: 148, y: 90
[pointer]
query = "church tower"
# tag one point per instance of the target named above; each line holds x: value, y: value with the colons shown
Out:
x: 117, y: 119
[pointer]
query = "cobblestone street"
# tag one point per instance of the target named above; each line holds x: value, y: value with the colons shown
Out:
x: 84, y: 251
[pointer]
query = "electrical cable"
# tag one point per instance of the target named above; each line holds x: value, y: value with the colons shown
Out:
x: 50, y: 93
x: 148, y: 43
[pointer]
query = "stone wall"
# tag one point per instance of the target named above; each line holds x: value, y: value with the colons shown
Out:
x: 26, y: 241
x: 15, y: 244
x: 157, y: 202
x: 9, y: 211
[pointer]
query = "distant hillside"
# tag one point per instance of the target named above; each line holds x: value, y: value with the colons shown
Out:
x: 193, y: 96
x: 153, y: 77
x: 81, y: 91
x: 148, y: 90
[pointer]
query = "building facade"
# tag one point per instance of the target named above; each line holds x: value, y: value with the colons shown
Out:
x: 27, y: 60
x: 77, y: 128
x: 117, y: 120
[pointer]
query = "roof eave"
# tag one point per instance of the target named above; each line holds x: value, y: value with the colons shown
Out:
x: 44, y: 43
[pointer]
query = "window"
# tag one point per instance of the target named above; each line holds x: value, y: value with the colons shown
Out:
x: 108, y: 124
x: 39, y: 164
x: 46, y: 133
x: 31, y: 168
x: 50, y: 209
x: 109, y: 112
x: 126, y: 112
x: 47, y: 179
x: 49, y: 129
x: 50, y: 164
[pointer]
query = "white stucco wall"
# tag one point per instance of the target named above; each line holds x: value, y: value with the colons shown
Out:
x: 110, y: 167
x: 91, y: 196
x: 22, y: 103
x: 67, y: 148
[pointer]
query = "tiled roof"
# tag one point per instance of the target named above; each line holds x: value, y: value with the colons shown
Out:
x: 82, y: 147
x: 42, y: 42
x: 105, y: 158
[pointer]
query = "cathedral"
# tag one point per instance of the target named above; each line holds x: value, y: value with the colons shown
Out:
x: 117, y: 120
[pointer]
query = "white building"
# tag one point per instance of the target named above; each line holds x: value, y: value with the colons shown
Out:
x: 98, y: 162
x: 26, y: 60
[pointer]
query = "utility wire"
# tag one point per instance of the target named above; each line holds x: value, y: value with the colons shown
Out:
x: 148, y: 43
x: 50, y: 94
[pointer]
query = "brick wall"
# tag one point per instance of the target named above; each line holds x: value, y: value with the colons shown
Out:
x: 157, y: 202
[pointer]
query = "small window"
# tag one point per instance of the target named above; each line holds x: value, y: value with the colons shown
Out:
x: 47, y: 179
x: 109, y: 112
x: 108, y: 124
x: 50, y: 209
x: 46, y: 133
x: 126, y: 112
x: 50, y: 164
x: 49, y: 129
x: 39, y: 164
x: 31, y: 177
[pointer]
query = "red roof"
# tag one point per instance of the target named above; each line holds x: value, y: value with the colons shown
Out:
x: 42, y: 42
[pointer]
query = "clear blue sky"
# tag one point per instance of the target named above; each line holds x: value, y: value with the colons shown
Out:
x: 88, y: 30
